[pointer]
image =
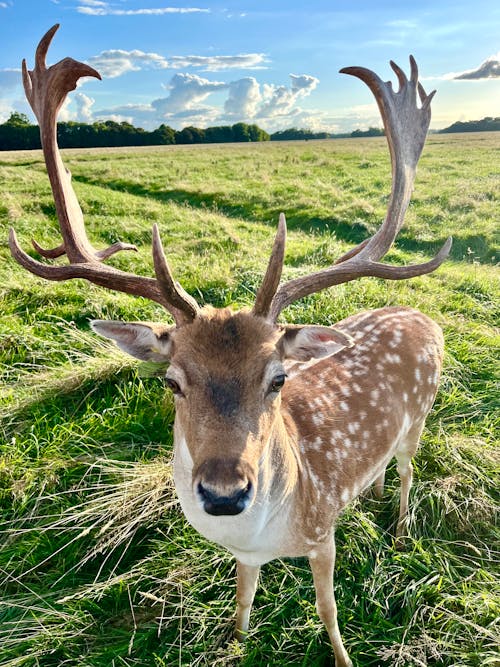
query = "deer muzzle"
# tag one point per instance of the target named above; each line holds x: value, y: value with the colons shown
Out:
x: 224, y: 487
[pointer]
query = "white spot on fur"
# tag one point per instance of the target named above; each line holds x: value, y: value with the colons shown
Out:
x: 318, y: 418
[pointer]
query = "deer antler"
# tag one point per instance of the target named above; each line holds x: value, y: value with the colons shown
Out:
x: 46, y: 90
x: 406, y: 127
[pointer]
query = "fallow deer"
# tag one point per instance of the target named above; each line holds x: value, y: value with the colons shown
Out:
x: 277, y: 427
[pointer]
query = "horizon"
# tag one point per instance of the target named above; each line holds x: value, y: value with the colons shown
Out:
x: 207, y: 65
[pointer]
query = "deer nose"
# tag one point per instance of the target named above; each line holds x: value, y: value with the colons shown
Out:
x: 224, y: 505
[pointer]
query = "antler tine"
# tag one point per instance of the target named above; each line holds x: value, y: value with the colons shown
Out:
x: 273, y: 273
x: 182, y: 305
x: 46, y: 90
x: 406, y: 127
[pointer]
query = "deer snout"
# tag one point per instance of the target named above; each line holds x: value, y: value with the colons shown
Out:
x: 224, y: 505
x: 224, y: 487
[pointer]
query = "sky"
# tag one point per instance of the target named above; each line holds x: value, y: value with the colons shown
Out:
x: 270, y: 62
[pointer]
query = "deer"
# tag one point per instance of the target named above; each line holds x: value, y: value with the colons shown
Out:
x: 277, y: 427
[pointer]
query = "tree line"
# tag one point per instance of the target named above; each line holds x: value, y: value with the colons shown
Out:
x: 487, y: 124
x: 18, y: 133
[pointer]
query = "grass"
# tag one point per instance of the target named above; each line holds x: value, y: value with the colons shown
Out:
x: 98, y: 568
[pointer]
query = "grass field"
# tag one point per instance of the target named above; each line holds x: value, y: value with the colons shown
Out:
x: 98, y: 568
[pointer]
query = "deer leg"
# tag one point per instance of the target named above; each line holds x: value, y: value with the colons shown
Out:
x: 405, y: 470
x: 322, y: 565
x: 404, y: 456
x: 378, y: 485
x: 247, y: 577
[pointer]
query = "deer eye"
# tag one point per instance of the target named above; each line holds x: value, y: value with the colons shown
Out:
x: 173, y: 386
x: 277, y: 383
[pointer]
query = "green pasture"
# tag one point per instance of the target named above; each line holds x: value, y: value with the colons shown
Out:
x: 98, y: 567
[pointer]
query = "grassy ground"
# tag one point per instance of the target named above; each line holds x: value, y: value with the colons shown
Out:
x: 97, y: 566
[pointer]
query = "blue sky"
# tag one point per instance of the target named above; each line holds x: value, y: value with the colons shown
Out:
x: 268, y: 62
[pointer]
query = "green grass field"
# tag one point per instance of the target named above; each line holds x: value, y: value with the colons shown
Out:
x: 98, y: 568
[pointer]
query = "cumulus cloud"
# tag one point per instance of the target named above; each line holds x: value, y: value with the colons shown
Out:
x: 82, y: 113
x: 282, y: 99
x: 185, y: 103
x: 186, y: 92
x: 99, y: 8
x: 489, y: 69
x: 243, y: 98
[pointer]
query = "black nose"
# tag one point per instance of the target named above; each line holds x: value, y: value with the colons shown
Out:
x: 224, y: 505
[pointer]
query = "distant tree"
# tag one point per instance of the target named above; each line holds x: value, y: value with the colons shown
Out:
x: 163, y: 135
x: 487, y: 124
x: 17, y: 119
x: 220, y: 134
x: 257, y: 134
x: 17, y: 133
x: 241, y: 132
x: 190, y: 135
x: 295, y: 134
x: 370, y: 132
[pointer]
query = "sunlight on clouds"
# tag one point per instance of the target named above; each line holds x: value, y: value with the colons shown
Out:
x: 243, y: 99
x: 186, y: 91
x: 281, y: 99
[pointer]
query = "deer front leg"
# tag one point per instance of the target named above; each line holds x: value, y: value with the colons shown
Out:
x: 322, y: 563
x: 246, y: 585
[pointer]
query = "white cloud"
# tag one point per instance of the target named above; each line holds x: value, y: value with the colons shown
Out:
x: 281, y: 99
x: 140, y: 115
x: 186, y: 92
x: 243, y: 99
x: 99, y: 8
x: 273, y: 107
x: 3, y: 5
x: 489, y: 69
x: 217, y: 63
x: 116, y: 62
x: 6, y: 109
x: 82, y: 113
x: 84, y: 105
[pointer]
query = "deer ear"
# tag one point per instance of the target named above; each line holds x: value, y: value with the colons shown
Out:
x: 148, y: 342
x: 302, y: 343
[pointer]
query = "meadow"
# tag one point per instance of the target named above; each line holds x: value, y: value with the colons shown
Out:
x: 98, y: 567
